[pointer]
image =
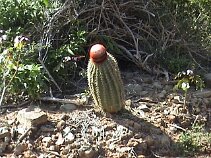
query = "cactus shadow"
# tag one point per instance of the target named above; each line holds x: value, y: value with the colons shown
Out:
x: 154, y: 142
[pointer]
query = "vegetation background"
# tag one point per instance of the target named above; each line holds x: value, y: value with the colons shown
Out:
x: 44, y: 43
x: 44, y: 46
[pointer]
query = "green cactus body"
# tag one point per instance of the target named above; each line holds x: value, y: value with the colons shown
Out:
x: 105, y: 84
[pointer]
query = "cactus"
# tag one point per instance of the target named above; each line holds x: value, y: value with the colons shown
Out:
x: 104, y: 80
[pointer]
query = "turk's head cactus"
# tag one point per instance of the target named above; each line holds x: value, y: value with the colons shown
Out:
x: 104, y: 80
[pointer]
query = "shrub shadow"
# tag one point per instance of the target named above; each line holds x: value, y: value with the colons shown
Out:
x: 153, y: 141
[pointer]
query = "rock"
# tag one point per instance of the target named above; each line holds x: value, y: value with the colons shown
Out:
x: 171, y: 118
x: 47, y: 141
x: 87, y: 153
x: 143, y: 107
x: 177, y: 99
x: 3, y: 146
x: 132, y: 143
x: 64, y: 151
x: 53, y: 148
x: 124, y: 149
x: 173, y: 129
x: 60, y: 139
x: 31, y: 117
x: 68, y: 107
x: 4, y: 132
x: 29, y: 154
x: 69, y: 138
x: 20, y: 148
x: 60, y: 125
x: 128, y: 102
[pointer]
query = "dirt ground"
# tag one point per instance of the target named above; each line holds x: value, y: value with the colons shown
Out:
x: 154, y: 123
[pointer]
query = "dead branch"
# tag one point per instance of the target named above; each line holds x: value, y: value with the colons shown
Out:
x: 77, y: 101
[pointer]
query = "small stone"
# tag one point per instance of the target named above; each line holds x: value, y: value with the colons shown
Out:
x: 65, y: 151
x: 111, y: 146
x: 138, y: 135
x: 124, y: 149
x: 132, y: 143
x: 60, y: 125
x: 143, y: 107
x: 52, y: 148
x: 68, y: 107
x: 31, y: 117
x: 177, y: 99
x: 171, y: 118
x: 3, y: 146
x: 47, y: 141
x: 173, y: 129
x: 20, y: 148
x: 4, y: 132
x: 88, y: 153
x: 29, y: 154
x: 69, y: 137
x: 128, y: 102
x: 60, y: 139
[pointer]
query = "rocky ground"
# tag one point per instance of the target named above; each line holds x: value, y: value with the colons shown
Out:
x: 154, y: 123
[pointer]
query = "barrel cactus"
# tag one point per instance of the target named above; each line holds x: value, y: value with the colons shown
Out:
x: 104, y: 80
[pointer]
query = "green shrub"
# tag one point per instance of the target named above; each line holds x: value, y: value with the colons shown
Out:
x: 20, y: 75
x: 20, y: 13
x: 194, y: 140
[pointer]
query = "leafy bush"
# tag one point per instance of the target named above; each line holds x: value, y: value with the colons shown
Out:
x: 193, y: 140
x: 20, y: 13
x: 64, y: 55
x: 188, y: 22
x: 19, y: 73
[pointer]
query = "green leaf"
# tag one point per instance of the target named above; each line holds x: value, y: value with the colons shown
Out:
x: 46, y: 2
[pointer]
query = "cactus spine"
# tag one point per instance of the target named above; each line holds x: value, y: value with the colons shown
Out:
x: 104, y: 80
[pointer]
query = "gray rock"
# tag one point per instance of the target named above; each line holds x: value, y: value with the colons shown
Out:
x: 20, y: 148
x: 68, y: 107
x: 31, y: 117
x: 69, y: 137
x: 3, y: 146
x: 4, y: 132
x: 143, y: 107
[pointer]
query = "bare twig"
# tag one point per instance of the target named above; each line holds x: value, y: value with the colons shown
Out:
x: 64, y: 101
x: 178, y: 127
